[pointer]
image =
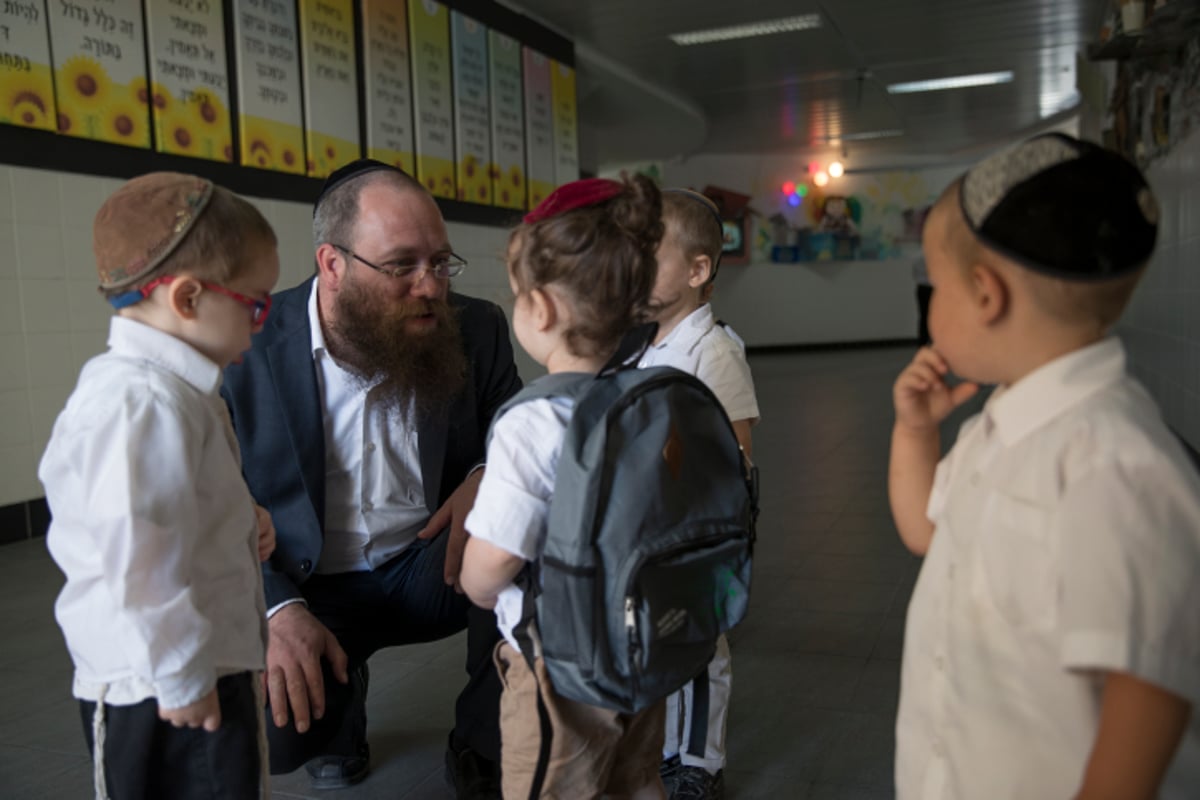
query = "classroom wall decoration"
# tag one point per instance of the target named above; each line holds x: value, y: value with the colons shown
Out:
x: 99, y: 73
x: 330, y: 85
x: 539, y: 127
x: 387, y: 83
x: 475, y: 113
x: 507, y: 166
x: 271, y: 132
x: 189, y: 91
x: 429, y: 42
x: 26, y: 80
x: 566, y: 136
x: 472, y: 122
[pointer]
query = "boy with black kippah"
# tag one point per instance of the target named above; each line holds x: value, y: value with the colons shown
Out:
x: 153, y: 526
x: 1052, y: 647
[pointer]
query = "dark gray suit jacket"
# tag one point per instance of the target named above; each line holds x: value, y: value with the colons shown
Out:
x: 276, y: 410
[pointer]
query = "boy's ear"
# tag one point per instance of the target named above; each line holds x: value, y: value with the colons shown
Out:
x: 991, y: 292
x: 700, y: 271
x: 545, y: 312
x: 183, y: 295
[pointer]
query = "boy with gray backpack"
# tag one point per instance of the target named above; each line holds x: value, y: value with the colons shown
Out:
x: 612, y: 530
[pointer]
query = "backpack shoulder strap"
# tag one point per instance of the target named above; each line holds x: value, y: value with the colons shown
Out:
x: 560, y: 384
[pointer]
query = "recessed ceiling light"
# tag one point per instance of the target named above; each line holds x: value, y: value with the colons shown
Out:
x: 803, y: 22
x: 865, y: 135
x: 955, y: 82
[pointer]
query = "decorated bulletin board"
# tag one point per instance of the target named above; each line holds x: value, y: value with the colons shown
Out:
x: 296, y: 87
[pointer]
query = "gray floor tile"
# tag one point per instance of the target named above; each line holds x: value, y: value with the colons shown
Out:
x: 815, y: 670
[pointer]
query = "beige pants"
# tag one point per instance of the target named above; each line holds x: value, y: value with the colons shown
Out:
x: 593, y: 751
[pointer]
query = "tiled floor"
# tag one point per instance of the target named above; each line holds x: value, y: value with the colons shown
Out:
x: 816, y: 668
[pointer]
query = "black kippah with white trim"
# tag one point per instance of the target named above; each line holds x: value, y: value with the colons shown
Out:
x: 1062, y: 207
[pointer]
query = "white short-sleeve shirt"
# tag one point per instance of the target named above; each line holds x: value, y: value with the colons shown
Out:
x: 1066, y: 545
x: 513, y: 501
x: 699, y: 345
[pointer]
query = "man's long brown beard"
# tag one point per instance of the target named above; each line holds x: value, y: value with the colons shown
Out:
x: 426, y: 369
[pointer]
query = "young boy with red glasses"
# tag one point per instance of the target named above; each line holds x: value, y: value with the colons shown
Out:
x: 153, y: 525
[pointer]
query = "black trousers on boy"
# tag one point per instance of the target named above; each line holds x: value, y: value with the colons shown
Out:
x: 146, y: 758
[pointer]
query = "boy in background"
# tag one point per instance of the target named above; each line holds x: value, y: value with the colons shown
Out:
x: 689, y: 338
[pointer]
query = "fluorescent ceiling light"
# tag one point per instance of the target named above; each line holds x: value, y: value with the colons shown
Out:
x: 865, y: 135
x: 801, y: 23
x: 956, y: 82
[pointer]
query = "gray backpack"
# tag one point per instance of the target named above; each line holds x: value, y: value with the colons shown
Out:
x: 649, y: 537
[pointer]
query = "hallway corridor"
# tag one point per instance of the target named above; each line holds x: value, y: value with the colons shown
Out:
x: 816, y: 664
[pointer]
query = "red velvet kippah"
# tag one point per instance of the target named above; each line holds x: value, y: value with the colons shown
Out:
x: 573, y: 195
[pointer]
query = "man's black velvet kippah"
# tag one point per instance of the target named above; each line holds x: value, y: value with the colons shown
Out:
x: 352, y: 170
x: 1062, y: 207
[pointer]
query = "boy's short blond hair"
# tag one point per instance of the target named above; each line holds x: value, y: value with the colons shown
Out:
x: 166, y: 223
x: 695, y: 223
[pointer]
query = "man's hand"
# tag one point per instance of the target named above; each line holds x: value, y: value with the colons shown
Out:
x: 921, y: 395
x: 205, y: 713
x: 297, y: 642
x: 266, y: 533
x: 454, y: 513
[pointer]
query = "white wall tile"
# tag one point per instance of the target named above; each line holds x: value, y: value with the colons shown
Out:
x: 8, y: 250
x: 18, y: 473
x: 40, y: 251
x: 35, y: 196
x: 77, y: 255
x: 85, y: 345
x: 15, y: 418
x: 1162, y: 325
x: 44, y: 305
x: 50, y: 361
x: 86, y: 308
x: 14, y: 372
x: 48, y: 403
x: 6, y: 193
x: 10, y: 306
x: 80, y: 196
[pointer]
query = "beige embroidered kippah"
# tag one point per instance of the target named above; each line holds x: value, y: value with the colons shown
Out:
x: 143, y: 222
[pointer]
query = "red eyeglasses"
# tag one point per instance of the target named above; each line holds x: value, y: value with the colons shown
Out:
x: 259, y: 308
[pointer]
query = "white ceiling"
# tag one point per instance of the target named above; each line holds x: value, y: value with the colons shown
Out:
x: 643, y: 97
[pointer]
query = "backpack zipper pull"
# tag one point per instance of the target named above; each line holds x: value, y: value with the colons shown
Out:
x: 631, y: 630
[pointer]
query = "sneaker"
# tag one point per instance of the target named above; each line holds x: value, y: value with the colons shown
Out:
x: 697, y: 783
x: 668, y: 770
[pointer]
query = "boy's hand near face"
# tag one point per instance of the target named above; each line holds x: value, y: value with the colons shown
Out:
x: 921, y: 395
x: 266, y: 533
x: 204, y: 713
x: 922, y: 399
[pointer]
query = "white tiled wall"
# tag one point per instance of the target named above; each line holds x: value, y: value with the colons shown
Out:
x: 1162, y: 325
x: 52, y: 319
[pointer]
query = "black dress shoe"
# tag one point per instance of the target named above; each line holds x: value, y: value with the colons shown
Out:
x: 472, y: 776
x: 338, y: 772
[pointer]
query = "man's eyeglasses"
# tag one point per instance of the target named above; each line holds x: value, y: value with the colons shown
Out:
x: 258, y: 308
x: 443, y: 266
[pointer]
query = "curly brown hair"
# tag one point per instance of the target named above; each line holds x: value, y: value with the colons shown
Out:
x: 602, y: 257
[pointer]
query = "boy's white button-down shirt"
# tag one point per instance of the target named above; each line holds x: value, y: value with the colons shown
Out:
x: 374, y: 492
x: 700, y: 346
x: 1067, y: 545
x: 152, y: 525
x: 513, y: 501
